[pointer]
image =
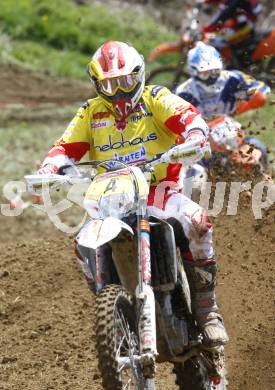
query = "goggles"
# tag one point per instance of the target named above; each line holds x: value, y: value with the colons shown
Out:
x: 206, y: 74
x: 125, y: 83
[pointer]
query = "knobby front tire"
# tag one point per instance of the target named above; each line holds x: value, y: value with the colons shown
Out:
x: 117, y: 337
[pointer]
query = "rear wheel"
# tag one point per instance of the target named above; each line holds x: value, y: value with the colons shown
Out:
x: 264, y: 69
x: 193, y: 375
x: 271, y: 68
x: 117, y: 342
x: 168, y: 76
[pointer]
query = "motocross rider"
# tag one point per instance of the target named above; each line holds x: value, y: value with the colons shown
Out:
x: 131, y: 122
x: 215, y: 91
x: 234, y: 21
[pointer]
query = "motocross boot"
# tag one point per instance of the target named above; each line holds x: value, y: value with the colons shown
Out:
x: 202, y: 280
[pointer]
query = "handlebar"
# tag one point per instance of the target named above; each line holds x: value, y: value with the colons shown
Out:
x: 188, y: 153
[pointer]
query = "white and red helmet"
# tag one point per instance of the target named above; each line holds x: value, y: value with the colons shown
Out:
x: 117, y: 72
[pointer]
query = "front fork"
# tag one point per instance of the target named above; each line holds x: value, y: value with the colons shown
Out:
x: 145, y: 297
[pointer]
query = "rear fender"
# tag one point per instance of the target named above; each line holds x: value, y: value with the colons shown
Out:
x: 98, y: 232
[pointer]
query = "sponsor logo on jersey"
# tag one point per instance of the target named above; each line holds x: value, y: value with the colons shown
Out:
x: 143, y: 113
x: 97, y: 125
x: 136, y: 118
x: 124, y: 143
x: 101, y: 115
x: 133, y: 157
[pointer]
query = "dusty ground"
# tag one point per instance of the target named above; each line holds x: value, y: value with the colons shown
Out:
x: 21, y: 86
x: 47, y: 312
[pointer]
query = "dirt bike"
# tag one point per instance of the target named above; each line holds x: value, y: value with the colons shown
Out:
x: 143, y: 306
x: 232, y: 151
x: 255, y: 55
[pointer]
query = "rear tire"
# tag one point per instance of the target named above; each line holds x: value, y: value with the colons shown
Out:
x: 117, y: 337
x: 270, y: 69
x: 193, y: 375
x: 263, y: 69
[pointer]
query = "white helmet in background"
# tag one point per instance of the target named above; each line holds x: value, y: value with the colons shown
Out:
x: 204, y: 64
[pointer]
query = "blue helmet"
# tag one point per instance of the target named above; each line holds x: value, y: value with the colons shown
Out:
x: 204, y: 63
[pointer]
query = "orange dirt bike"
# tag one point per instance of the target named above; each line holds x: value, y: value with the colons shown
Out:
x: 231, y: 150
x: 255, y: 55
x: 143, y: 310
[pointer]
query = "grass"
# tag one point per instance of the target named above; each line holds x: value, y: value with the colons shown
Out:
x: 59, y: 37
x: 22, y: 144
x: 45, y: 59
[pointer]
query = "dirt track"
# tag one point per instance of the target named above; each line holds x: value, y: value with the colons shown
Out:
x: 47, y: 315
x: 47, y: 312
x: 21, y: 86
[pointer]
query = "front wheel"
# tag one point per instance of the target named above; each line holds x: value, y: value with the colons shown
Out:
x: 168, y: 76
x: 117, y: 342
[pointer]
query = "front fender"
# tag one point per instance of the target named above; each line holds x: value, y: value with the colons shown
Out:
x: 98, y: 232
x: 164, y: 48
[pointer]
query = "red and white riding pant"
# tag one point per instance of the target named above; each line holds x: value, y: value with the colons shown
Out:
x: 194, y: 220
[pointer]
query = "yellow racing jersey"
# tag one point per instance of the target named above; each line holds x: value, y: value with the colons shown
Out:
x: 153, y: 127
